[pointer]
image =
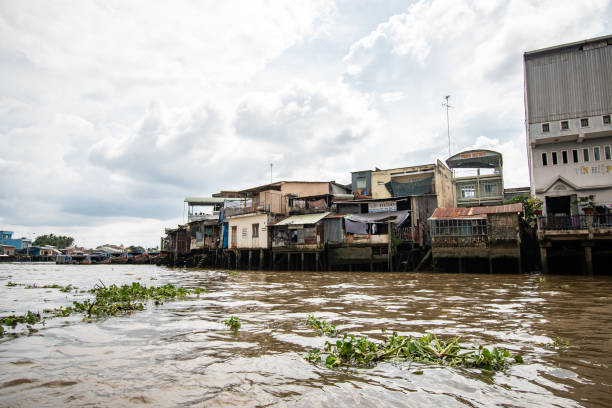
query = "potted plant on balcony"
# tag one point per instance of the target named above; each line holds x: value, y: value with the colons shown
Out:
x: 586, y: 203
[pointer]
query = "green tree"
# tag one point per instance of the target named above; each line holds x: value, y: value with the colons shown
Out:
x: 58, y: 241
x: 530, y: 204
x: 135, y: 248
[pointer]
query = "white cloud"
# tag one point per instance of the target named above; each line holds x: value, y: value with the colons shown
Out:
x: 112, y: 112
x: 473, y: 51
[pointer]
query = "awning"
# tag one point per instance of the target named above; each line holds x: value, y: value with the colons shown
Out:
x: 302, y: 219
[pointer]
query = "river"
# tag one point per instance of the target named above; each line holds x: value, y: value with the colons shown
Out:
x: 181, y: 354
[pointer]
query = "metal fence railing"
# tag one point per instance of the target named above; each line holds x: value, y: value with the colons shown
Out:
x: 574, y: 222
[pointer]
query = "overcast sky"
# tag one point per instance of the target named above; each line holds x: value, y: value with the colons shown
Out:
x: 111, y: 112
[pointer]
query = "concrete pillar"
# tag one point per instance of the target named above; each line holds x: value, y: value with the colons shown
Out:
x: 302, y: 261
x: 261, y: 259
x: 544, y: 259
x: 317, y: 262
x: 288, y: 261
x: 250, y: 258
x: 588, y: 257
x: 237, y: 258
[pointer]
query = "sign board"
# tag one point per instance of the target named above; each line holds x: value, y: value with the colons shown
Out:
x: 472, y: 155
x: 382, y: 206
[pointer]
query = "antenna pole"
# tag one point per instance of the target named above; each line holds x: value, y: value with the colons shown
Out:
x: 445, y: 103
x: 271, y: 172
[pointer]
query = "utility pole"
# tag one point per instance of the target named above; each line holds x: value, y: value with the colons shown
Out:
x: 271, y: 164
x: 445, y: 103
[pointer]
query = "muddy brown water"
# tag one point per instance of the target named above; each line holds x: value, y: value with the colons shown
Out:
x: 181, y: 354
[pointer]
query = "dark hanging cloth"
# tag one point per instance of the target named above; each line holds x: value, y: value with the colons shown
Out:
x: 411, y: 188
x: 355, y: 227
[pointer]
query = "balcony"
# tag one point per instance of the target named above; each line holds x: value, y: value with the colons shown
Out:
x: 554, y: 224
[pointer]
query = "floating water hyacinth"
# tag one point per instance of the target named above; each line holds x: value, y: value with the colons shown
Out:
x: 321, y: 325
x: 108, y: 301
x: 353, y: 352
x: 233, y: 323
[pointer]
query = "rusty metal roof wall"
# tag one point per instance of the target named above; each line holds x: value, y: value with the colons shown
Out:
x: 498, y: 209
x: 476, y: 212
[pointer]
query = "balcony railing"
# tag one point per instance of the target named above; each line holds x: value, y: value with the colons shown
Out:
x: 574, y: 222
x: 407, y: 234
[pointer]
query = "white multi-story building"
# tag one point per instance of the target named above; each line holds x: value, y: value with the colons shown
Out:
x: 568, y: 104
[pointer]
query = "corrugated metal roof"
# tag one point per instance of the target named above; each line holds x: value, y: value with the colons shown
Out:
x: 476, y: 212
x: 210, y: 200
x: 336, y: 216
x: 302, y: 219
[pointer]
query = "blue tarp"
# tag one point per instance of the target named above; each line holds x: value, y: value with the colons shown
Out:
x: 225, y: 234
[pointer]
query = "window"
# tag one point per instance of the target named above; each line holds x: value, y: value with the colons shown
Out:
x: 606, y: 119
x: 607, y: 153
x: 564, y: 125
x: 554, y: 158
x: 575, y: 155
x: 584, y: 122
x: 490, y: 188
x: 564, y: 157
x: 545, y: 127
x: 544, y: 159
x: 244, y: 233
x: 596, y: 153
x: 585, y: 155
x: 468, y: 191
x: 380, y: 183
x: 361, y: 183
x: 255, y: 230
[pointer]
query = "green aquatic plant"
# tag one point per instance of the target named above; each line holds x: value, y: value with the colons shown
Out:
x: 13, y: 320
x: 321, y: 325
x: 1, y: 332
x: 557, y: 343
x: 233, y: 323
x: 362, y: 352
x: 11, y: 284
x: 113, y: 300
x: 68, y: 288
x: 108, y: 301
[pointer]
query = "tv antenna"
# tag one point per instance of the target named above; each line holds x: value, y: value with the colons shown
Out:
x: 271, y: 164
x: 445, y: 104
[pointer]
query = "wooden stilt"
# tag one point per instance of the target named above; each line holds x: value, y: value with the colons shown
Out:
x: 588, y: 257
x: 544, y: 259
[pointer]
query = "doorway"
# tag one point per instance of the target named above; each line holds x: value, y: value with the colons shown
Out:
x: 558, y: 205
x: 234, y: 237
